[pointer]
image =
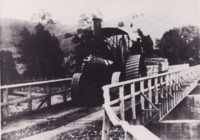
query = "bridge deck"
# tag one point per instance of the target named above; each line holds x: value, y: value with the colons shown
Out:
x: 50, y: 121
x: 31, y: 125
x: 160, y: 87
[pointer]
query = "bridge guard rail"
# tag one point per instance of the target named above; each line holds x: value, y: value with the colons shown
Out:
x: 27, y: 92
x: 159, y: 93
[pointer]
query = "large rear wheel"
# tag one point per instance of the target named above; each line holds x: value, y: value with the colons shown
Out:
x: 123, y: 51
x: 132, y: 67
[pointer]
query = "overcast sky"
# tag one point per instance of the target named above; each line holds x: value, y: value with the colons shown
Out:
x: 68, y: 11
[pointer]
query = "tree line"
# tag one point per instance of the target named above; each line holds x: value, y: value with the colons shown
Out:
x: 181, y: 45
x: 42, y: 56
x: 39, y: 52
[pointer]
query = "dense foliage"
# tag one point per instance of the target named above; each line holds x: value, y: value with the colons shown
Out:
x: 40, y: 53
x: 84, y: 46
x: 181, y: 45
x: 8, y: 68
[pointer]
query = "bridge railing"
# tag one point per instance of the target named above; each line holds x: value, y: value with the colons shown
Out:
x: 180, y: 66
x: 26, y: 93
x: 158, y: 93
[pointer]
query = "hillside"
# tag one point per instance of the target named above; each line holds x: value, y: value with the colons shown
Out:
x: 10, y: 28
x: 153, y: 23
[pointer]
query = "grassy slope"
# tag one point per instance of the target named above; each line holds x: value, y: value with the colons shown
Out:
x: 10, y: 28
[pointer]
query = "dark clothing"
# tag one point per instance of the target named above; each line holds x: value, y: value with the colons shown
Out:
x: 147, y: 45
x: 136, y: 48
x: 142, y: 67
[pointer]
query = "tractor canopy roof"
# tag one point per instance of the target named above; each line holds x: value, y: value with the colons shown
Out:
x: 108, y: 32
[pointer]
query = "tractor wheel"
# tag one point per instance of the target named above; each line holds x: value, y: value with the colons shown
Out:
x: 116, y: 78
x: 92, y: 96
x: 75, y: 88
x: 83, y: 94
x: 123, y: 51
x: 132, y: 67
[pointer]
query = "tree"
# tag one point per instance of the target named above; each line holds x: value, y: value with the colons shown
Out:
x: 25, y: 47
x: 191, y: 35
x: 173, y: 47
x: 194, y: 46
x: 68, y: 35
x: 188, y: 33
x: 40, y: 53
x: 181, y: 45
x: 8, y: 68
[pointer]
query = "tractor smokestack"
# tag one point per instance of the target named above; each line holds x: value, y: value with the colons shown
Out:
x: 97, y: 31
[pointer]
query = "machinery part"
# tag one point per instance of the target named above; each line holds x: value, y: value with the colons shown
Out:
x: 123, y: 51
x: 132, y: 67
x: 115, y: 77
x: 75, y: 87
x: 161, y: 62
x: 83, y: 95
x: 72, y: 67
x: 91, y: 96
x: 96, y: 72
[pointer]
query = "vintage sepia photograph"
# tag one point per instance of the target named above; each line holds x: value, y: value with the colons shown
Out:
x: 100, y: 69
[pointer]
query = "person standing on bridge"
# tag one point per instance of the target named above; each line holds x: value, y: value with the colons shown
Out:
x: 146, y: 43
x: 136, y: 47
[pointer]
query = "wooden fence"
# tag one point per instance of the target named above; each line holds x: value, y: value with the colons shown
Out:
x: 159, y: 93
x: 37, y: 79
x: 24, y: 94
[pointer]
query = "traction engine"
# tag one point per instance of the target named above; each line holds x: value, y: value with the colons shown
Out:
x: 110, y: 62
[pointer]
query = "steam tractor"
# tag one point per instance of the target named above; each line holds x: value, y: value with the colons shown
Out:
x: 109, y: 62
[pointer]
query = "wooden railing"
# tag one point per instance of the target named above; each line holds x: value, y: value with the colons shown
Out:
x: 28, y: 92
x: 179, y: 67
x: 159, y: 93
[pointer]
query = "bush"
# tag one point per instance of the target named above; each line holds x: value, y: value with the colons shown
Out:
x: 8, y: 68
